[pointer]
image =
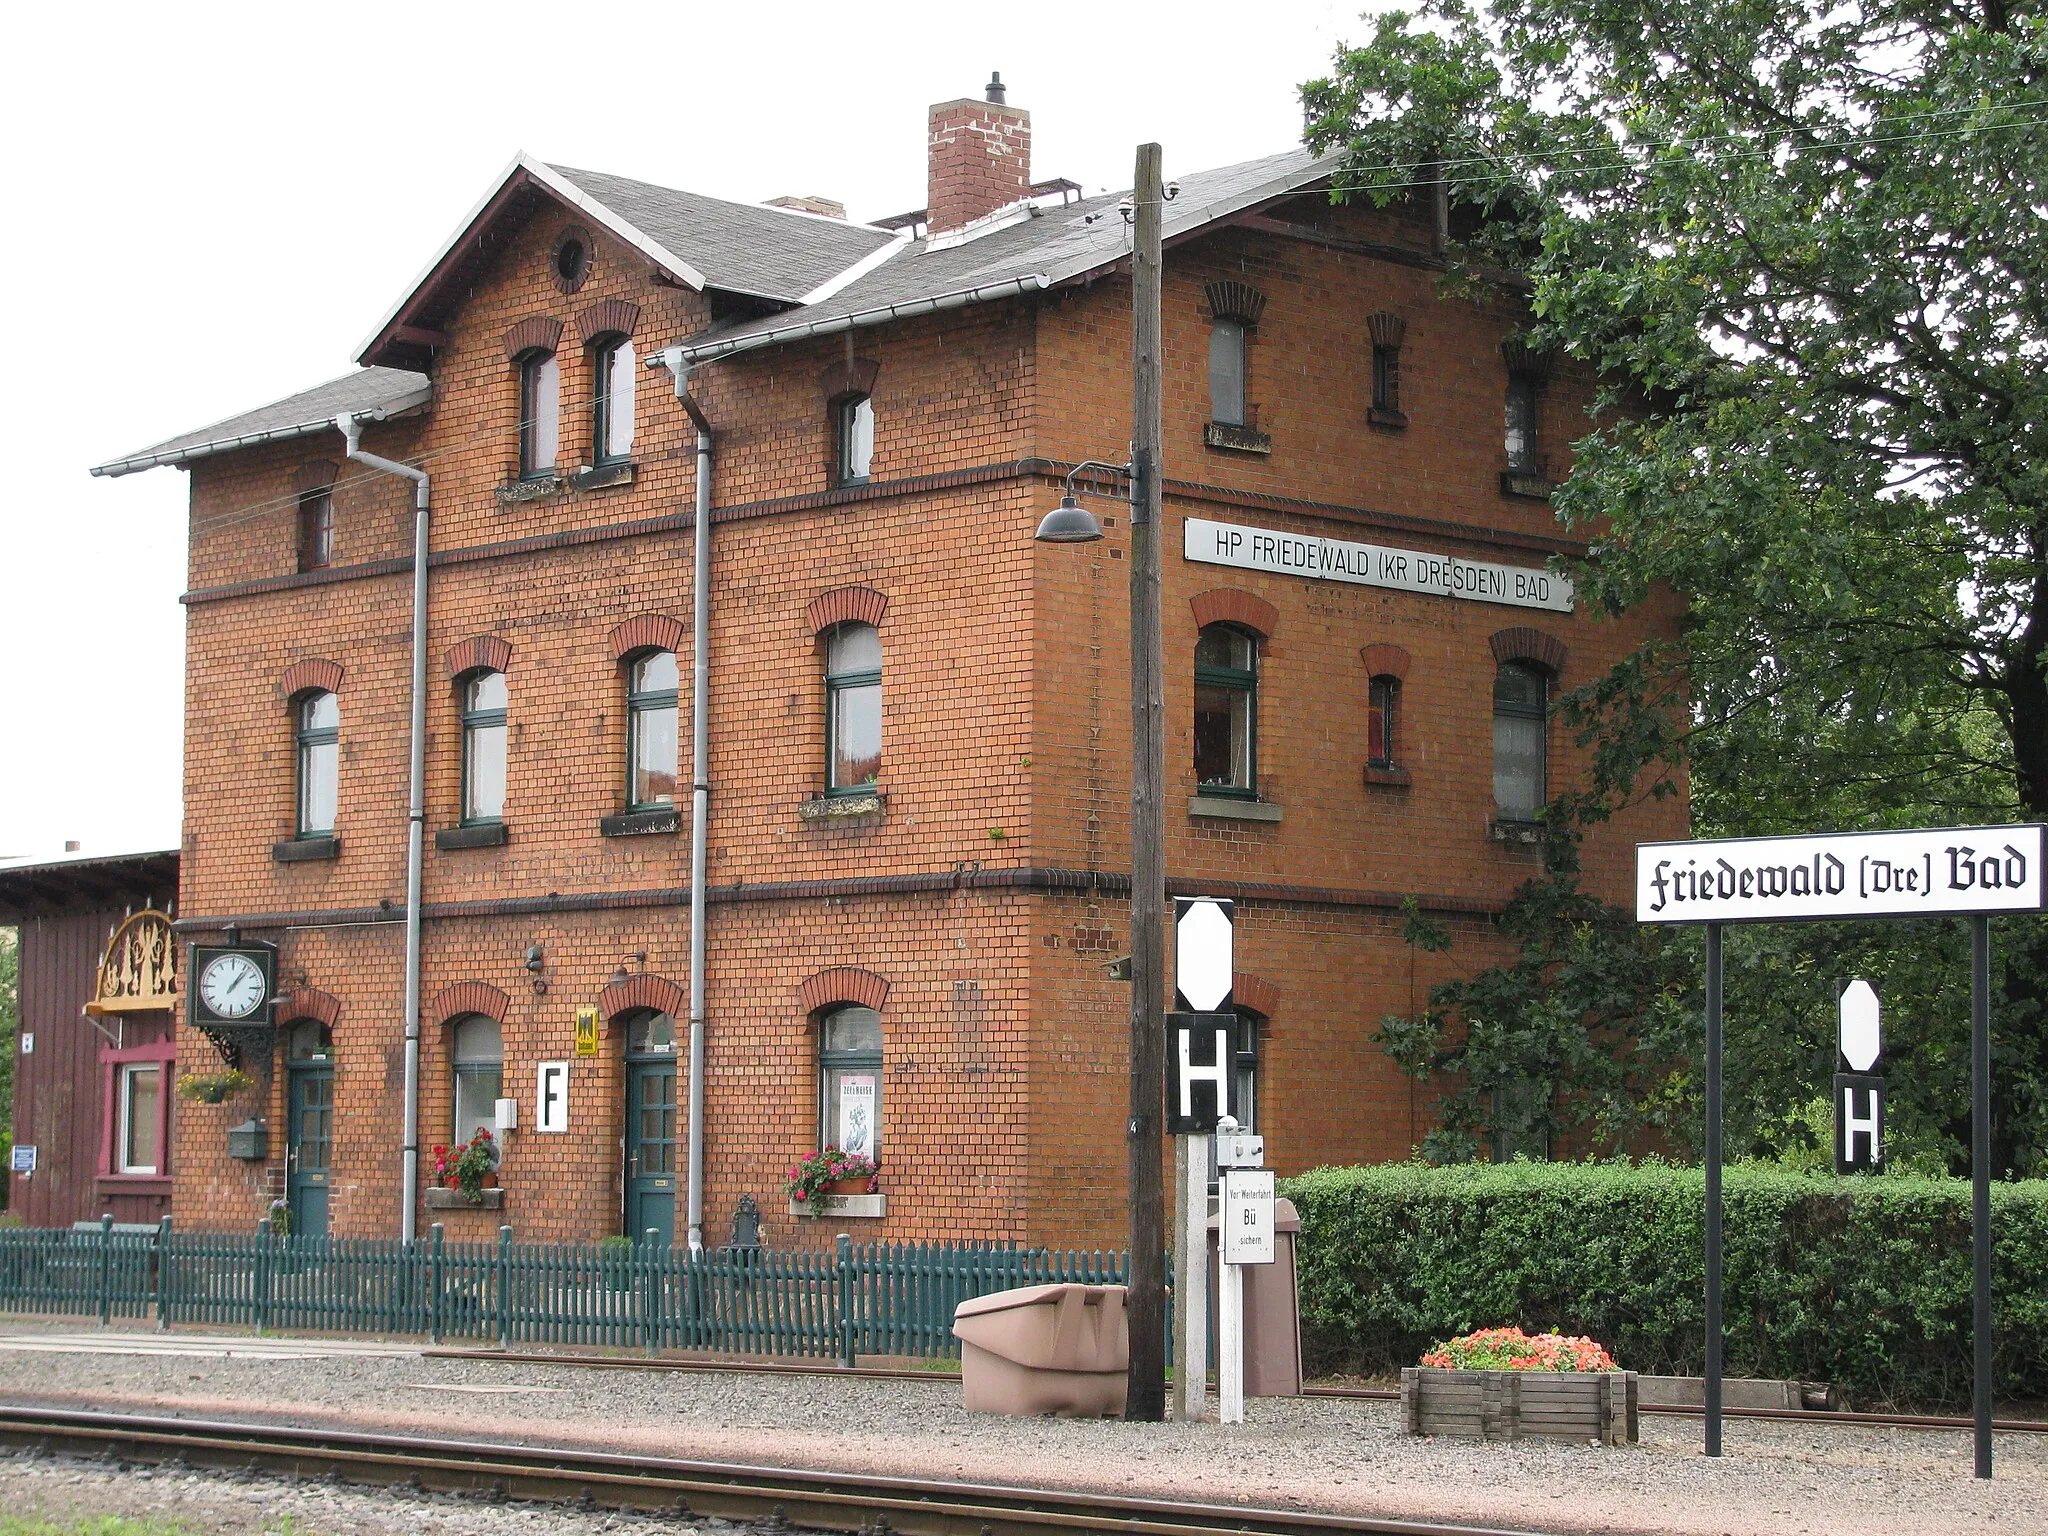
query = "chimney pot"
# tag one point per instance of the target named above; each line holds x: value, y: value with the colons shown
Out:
x: 995, y: 86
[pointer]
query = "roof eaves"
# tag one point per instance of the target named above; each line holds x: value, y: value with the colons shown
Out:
x: 561, y: 187
x: 135, y: 463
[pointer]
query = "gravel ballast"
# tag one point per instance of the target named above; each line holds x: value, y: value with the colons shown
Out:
x: 1340, y: 1455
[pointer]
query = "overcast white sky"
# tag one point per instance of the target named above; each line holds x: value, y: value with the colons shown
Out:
x: 213, y: 203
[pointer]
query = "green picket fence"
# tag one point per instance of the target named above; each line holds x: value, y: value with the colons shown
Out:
x: 861, y: 1298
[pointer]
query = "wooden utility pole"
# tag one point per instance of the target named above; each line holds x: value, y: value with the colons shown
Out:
x: 1147, y: 1297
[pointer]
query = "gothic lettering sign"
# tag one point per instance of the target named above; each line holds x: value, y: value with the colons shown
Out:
x: 1374, y: 565
x: 1945, y: 871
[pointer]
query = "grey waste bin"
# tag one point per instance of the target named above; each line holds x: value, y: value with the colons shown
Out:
x: 1060, y: 1349
x: 1272, y: 1310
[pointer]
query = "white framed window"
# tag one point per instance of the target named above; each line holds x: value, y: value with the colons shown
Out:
x: 850, y: 1081
x: 540, y: 415
x: 139, y: 1098
x: 855, y: 427
x: 479, y: 1050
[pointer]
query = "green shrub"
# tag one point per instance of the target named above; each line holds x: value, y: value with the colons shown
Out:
x: 1864, y: 1282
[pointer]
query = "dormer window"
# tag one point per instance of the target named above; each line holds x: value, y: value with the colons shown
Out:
x: 540, y: 415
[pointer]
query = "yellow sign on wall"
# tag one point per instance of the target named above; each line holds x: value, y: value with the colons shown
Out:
x: 586, y: 1031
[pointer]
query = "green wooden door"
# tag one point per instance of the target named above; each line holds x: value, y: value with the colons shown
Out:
x: 311, y: 1145
x: 651, y: 1148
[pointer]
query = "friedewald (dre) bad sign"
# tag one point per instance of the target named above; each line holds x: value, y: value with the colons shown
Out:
x: 1841, y: 875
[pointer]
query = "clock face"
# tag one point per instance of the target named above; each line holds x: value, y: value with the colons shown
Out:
x: 232, y: 986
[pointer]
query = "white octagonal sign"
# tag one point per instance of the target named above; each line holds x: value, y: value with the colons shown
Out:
x: 1202, y: 951
x: 1859, y: 1034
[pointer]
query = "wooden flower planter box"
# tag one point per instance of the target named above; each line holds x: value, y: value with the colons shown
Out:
x: 1514, y: 1405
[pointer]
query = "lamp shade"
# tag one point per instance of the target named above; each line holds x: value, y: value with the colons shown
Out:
x: 1069, y: 523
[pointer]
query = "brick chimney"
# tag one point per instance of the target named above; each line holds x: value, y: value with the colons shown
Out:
x: 980, y: 159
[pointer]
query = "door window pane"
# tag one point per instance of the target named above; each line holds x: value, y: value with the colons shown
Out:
x: 1226, y: 373
x: 650, y: 1034
x: 141, y: 1101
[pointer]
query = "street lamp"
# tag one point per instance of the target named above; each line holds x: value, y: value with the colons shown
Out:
x: 1072, y: 523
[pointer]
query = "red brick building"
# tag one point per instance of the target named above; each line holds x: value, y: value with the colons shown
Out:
x: 918, y: 717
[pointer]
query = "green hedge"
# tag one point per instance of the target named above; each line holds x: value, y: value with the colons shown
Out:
x: 1863, y: 1282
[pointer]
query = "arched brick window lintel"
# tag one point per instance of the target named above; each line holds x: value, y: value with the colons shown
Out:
x: 849, y: 376
x: 308, y: 1003
x: 1254, y: 994
x: 646, y: 990
x: 1385, y: 660
x: 316, y: 475
x: 612, y: 317
x: 536, y: 333
x: 842, y: 984
x: 844, y: 605
x: 466, y: 997
x: 1229, y: 605
x: 312, y: 674
x: 1230, y: 299
x: 479, y: 653
x: 1522, y: 643
x: 645, y: 632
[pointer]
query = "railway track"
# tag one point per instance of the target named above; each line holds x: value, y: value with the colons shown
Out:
x: 772, y: 1497
x: 1378, y: 1394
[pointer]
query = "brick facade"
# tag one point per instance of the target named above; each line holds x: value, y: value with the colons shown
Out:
x: 978, y: 911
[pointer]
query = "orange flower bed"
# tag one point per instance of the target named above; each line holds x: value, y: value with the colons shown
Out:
x: 1510, y: 1349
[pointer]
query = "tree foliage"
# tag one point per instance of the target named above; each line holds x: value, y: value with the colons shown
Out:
x: 1805, y: 248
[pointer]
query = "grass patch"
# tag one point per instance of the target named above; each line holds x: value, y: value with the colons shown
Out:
x: 91, y: 1525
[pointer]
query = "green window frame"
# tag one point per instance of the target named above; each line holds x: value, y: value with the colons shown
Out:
x: 849, y: 1047
x: 853, y: 709
x: 1227, y: 713
x: 319, y: 743
x: 485, y: 704
x: 652, y: 719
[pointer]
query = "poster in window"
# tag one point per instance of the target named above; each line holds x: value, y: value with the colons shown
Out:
x: 857, y: 1114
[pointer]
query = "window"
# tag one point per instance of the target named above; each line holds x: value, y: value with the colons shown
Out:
x: 540, y: 415
x: 483, y: 748
x: 1521, y: 699
x: 316, y: 529
x: 319, y: 763
x: 1226, y: 712
x: 1386, y: 380
x: 651, y: 732
x: 853, y: 708
x: 855, y: 427
x: 309, y: 1040
x: 139, y: 1103
x: 1523, y: 390
x: 850, y: 1081
x: 1381, y: 712
x: 1227, y: 372
x: 651, y: 1034
x: 479, y: 1075
x: 611, y: 434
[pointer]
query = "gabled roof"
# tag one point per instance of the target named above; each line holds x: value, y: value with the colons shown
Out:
x: 1036, y: 250
x: 80, y: 882
x: 382, y: 391
x: 823, y: 275
x: 775, y: 255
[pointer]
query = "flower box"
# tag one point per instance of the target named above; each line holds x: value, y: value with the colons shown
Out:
x: 1516, y: 1405
x: 456, y: 1200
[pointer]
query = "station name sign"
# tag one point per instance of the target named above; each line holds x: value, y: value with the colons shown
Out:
x: 1946, y: 871
x: 1374, y: 565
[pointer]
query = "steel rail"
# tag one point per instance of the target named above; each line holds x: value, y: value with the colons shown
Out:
x: 826, y: 1501
x: 1369, y: 1394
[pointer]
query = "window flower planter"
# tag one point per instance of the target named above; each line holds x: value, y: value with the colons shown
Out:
x: 1516, y: 1405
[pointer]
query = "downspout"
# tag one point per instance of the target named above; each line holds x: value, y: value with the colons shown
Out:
x: 351, y: 428
x: 700, y: 777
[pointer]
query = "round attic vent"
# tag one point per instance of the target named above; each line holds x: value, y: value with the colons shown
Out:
x: 570, y: 264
